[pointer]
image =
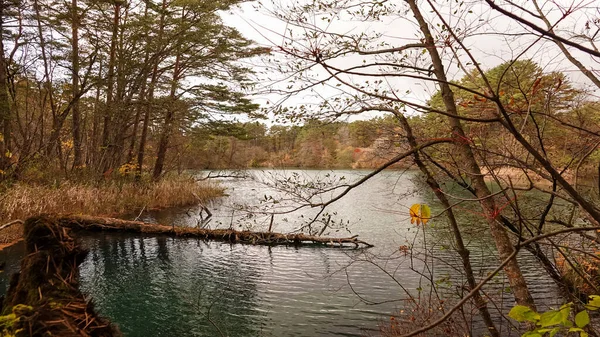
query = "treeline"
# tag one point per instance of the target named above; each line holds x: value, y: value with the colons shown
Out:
x: 315, y: 144
x: 102, y: 88
x: 559, y: 120
x: 90, y: 87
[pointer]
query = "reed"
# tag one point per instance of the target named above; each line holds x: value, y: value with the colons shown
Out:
x: 108, y: 198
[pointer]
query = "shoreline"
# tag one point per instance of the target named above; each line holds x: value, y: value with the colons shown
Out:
x: 12, y: 235
x: 12, y: 243
x: 112, y: 198
x: 518, y: 177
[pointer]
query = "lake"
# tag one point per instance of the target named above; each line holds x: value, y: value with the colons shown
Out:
x: 159, y: 286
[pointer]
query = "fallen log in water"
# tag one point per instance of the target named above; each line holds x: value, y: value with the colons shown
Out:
x: 44, y: 298
x: 93, y: 223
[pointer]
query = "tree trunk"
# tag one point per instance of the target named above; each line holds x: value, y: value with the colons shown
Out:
x: 163, y: 144
x: 77, y: 155
x: 109, y: 91
x: 5, y: 116
x: 472, y: 169
x: 121, y: 101
x: 49, y: 272
x: 144, y: 135
x: 136, y: 122
x: 462, y: 250
x: 168, y: 124
x: 149, y: 96
x: 95, y: 223
x: 93, y: 149
x: 141, y: 97
x: 49, y: 91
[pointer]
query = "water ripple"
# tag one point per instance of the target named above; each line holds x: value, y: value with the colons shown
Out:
x: 158, y: 286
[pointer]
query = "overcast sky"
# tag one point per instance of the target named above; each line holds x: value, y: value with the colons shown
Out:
x: 257, y: 23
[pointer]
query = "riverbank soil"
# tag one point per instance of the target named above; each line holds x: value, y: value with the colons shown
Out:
x: 44, y: 298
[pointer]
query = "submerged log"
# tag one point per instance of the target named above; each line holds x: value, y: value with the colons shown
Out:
x: 44, y: 298
x: 94, y: 223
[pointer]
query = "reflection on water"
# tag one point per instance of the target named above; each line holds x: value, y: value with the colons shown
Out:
x: 185, y: 287
x: 159, y: 286
x: 11, y: 256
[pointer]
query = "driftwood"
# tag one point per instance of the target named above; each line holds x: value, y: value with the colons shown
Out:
x: 44, y: 297
x: 93, y: 223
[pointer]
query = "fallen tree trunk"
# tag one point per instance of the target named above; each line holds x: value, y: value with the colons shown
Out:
x: 44, y: 297
x: 94, y: 223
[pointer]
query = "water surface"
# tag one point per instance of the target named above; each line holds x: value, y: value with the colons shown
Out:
x: 160, y: 286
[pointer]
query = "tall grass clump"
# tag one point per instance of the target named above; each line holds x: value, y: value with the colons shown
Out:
x: 107, y: 198
x: 421, y: 311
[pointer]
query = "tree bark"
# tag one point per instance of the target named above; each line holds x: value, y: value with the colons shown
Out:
x: 168, y: 121
x: 94, y: 223
x: 49, y: 274
x: 93, y: 151
x: 142, y: 95
x: 49, y: 90
x: 122, y: 100
x: 168, y: 124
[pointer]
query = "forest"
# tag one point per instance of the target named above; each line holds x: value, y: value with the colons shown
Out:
x: 92, y: 86
x: 94, y: 89
x: 111, y: 108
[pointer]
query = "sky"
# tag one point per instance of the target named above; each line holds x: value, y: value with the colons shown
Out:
x: 258, y: 22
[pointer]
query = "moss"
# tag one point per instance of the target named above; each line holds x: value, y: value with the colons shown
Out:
x: 9, y: 323
x: 55, y: 305
x: 22, y: 309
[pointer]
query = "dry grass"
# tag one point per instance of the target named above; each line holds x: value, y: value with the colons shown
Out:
x: 21, y: 201
x: 10, y: 234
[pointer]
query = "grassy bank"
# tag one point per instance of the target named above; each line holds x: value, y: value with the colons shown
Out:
x: 108, y: 198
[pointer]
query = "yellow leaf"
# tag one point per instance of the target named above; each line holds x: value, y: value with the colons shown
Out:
x: 420, y: 213
x: 414, y: 213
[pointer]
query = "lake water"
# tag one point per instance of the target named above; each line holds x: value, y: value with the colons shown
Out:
x: 159, y: 286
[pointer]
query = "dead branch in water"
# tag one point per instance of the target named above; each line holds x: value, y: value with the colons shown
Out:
x: 234, y: 174
x: 94, y: 223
